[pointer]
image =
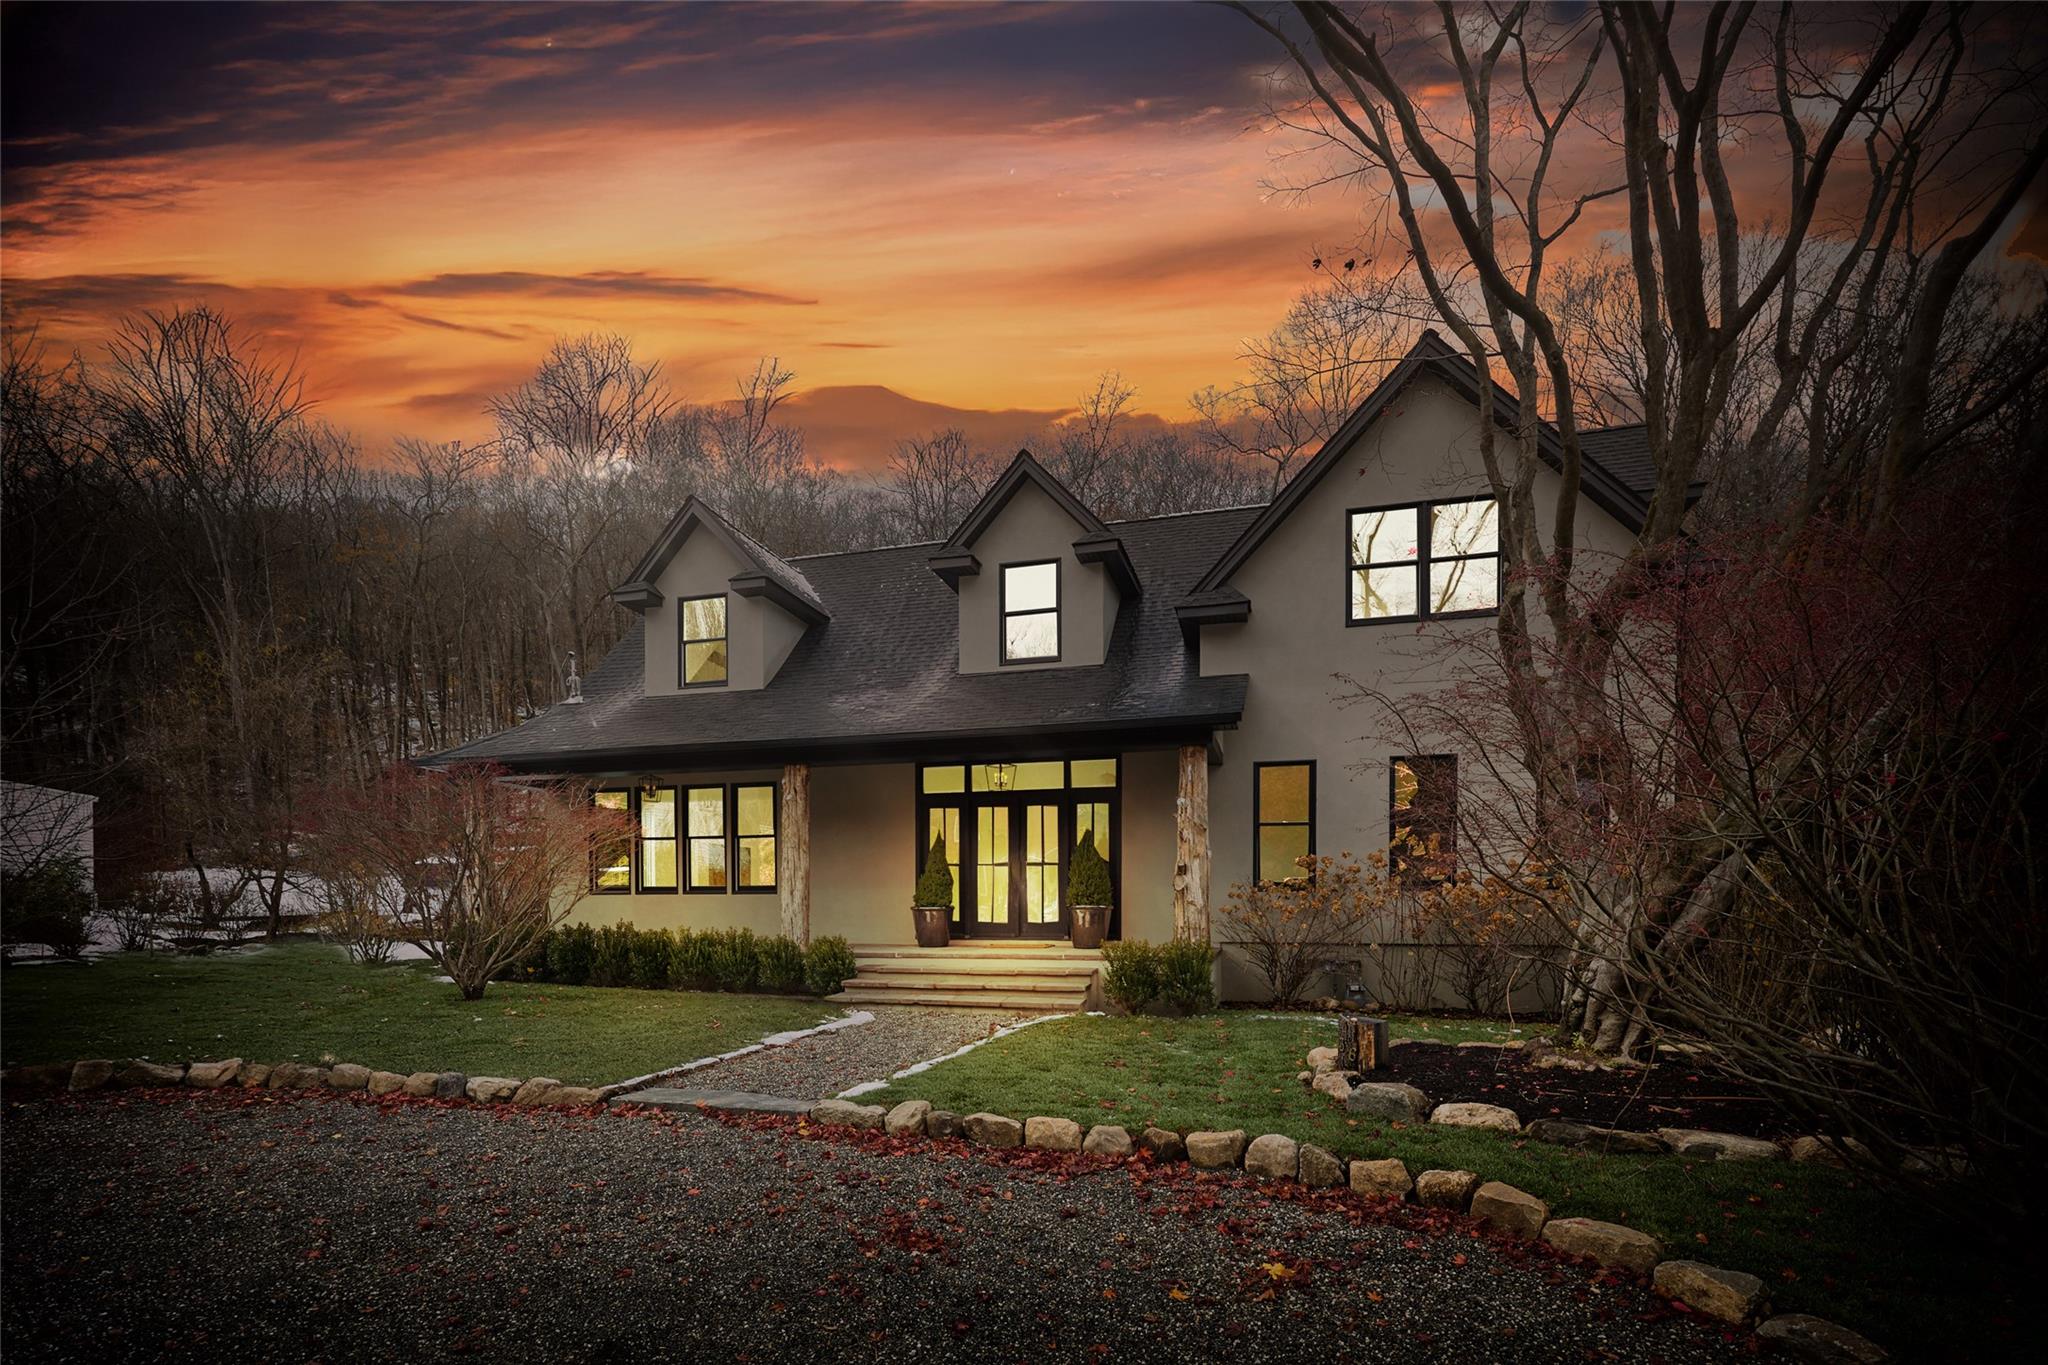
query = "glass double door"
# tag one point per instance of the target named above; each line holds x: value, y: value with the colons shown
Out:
x: 1010, y: 855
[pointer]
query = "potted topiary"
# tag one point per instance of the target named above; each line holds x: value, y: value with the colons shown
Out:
x: 1088, y: 894
x: 932, y: 905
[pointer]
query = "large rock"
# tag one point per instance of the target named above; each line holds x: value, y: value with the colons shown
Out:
x: 1273, y: 1156
x: 536, y: 1091
x: 348, y: 1076
x: 212, y: 1075
x: 907, y: 1119
x: 1321, y: 1058
x: 491, y: 1089
x: 573, y: 1096
x: 139, y: 1073
x: 1509, y: 1209
x: 1107, y: 1139
x: 1465, y: 1115
x: 1613, y: 1140
x: 254, y: 1074
x: 1729, y: 1295
x: 297, y: 1076
x: 386, y: 1083
x: 1610, y: 1244
x: 1699, y: 1143
x: 1214, y: 1151
x: 1162, y: 1143
x: 1817, y: 1339
x: 1320, y: 1167
x: 420, y: 1084
x: 1446, y: 1189
x: 994, y: 1130
x: 450, y: 1085
x: 847, y: 1114
x: 1385, y: 1178
x: 91, y: 1075
x: 1335, y: 1084
x: 1388, y: 1100
x: 944, y: 1123
x: 1828, y: 1151
x: 1052, y: 1134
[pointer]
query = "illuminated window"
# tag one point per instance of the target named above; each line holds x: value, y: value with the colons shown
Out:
x: 705, y: 811
x: 1031, y: 612
x: 611, y: 863
x: 1426, y: 560
x: 753, y: 821
x: 703, y: 663
x: 658, y: 839
x: 1422, y: 813
x: 1283, y: 819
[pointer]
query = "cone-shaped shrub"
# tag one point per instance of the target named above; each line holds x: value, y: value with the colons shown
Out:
x: 935, y: 887
x: 1087, y: 875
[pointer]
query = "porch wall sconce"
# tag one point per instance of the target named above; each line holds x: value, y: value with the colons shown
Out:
x: 650, y: 786
x: 1000, y: 775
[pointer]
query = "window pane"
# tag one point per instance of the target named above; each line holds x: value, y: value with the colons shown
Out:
x: 704, y: 663
x: 707, y: 811
x: 707, y: 863
x: 1094, y: 772
x: 757, y: 862
x: 1382, y: 592
x: 613, y: 800
x: 658, y: 813
x: 658, y: 864
x: 1464, y: 584
x: 704, y: 618
x: 755, y: 812
x: 1031, y: 637
x: 1283, y: 793
x: 945, y: 825
x: 1279, y: 846
x: 1092, y: 819
x: 1031, y: 587
x: 1404, y: 784
x: 616, y: 876
x: 1463, y: 528
x: 1383, y: 537
x: 945, y: 779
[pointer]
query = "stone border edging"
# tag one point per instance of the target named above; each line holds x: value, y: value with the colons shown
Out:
x: 915, y: 1067
x: 347, y: 1077
x: 1732, y: 1297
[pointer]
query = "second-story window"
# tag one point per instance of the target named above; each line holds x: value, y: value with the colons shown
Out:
x: 1031, y: 612
x: 1423, y: 560
x: 703, y: 662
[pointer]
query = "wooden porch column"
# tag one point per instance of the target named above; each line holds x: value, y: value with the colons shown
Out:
x: 1191, y: 846
x: 793, y: 852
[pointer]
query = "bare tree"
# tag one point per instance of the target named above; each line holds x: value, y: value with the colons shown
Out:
x: 933, y: 481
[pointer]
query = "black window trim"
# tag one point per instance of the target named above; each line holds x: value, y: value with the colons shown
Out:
x: 724, y: 838
x: 1393, y: 760
x: 1067, y: 796
x: 1059, y: 629
x: 732, y: 853
x: 641, y: 840
x: 1424, y: 513
x: 1258, y: 771
x: 683, y: 640
x: 632, y: 845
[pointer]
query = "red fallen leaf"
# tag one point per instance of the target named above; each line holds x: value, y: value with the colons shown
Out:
x: 1458, y: 1259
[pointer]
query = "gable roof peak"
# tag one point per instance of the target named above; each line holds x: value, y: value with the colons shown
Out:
x: 766, y: 574
x: 1024, y: 469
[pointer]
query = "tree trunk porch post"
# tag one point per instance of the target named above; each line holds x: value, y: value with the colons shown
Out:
x: 1191, y: 845
x: 793, y: 847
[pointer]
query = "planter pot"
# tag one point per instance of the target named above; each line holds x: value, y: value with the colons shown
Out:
x: 934, y: 925
x: 1091, y: 925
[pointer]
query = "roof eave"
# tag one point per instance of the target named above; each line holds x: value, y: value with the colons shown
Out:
x: 759, y: 584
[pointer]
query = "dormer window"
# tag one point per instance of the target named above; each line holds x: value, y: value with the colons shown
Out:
x: 1031, y: 612
x: 703, y: 644
x: 1423, y: 561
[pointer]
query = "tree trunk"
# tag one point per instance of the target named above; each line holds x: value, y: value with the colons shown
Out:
x: 793, y: 851
x: 1191, y: 846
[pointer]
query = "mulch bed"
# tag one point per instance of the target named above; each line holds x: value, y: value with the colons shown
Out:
x: 1662, y: 1096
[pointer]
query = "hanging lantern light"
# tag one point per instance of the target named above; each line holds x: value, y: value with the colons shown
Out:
x: 1001, y: 775
x: 650, y: 786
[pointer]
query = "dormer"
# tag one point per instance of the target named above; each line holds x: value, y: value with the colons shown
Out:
x: 1040, y: 578
x: 721, y: 612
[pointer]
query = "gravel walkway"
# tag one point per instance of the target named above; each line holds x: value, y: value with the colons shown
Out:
x: 822, y: 1065
x: 241, y: 1226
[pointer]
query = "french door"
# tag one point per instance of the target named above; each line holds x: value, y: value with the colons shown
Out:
x: 1009, y: 866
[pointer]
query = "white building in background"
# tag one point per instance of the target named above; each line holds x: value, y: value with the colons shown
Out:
x: 38, y: 824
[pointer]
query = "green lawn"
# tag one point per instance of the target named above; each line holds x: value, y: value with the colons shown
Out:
x: 309, y: 1003
x: 1823, y: 1243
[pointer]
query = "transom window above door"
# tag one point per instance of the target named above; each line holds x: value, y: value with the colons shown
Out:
x: 1031, y: 612
x: 1423, y: 561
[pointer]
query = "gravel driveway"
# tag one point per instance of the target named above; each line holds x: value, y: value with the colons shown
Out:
x: 238, y: 1226
x: 822, y: 1065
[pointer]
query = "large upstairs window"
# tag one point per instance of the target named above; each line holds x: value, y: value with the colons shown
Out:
x: 703, y: 643
x: 1031, y: 612
x: 1423, y: 560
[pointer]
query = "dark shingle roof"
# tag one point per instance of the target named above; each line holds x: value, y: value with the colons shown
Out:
x: 1624, y: 452
x: 882, y: 675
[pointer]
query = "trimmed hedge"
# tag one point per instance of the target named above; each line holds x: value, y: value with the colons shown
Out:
x: 686, y: 959
x: 1174, y: 975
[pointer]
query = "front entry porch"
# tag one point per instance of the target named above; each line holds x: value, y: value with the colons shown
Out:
x: 1040, y: 978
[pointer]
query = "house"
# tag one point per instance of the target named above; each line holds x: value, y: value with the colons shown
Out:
x: 794, y: 733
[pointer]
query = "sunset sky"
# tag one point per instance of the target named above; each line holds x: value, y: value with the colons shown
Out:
x: 976, y: 207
